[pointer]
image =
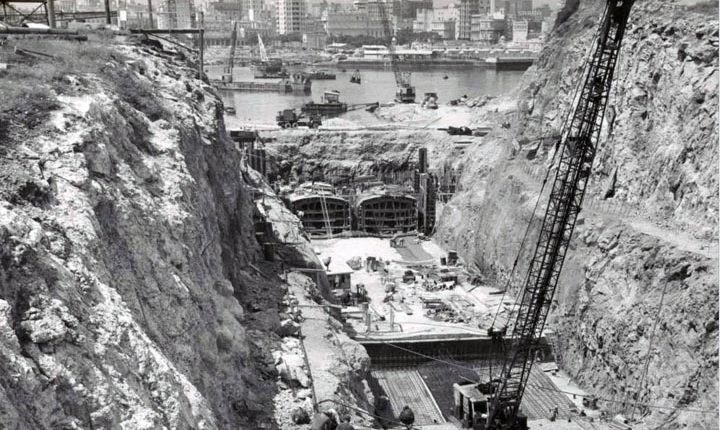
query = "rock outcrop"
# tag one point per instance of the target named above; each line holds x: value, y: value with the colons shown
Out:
x: 636, y: 309
x: 132, y: 288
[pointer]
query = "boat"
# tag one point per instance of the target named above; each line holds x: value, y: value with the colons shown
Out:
x: 445, y: 77
x: 356, y: 78
x: 299, y: 82
x: 270, y: 69
x: 321, y: 75
x: 329, y: 105
x: 230, y: 110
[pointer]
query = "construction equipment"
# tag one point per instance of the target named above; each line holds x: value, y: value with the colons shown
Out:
x: 269, y: 68
x: 405, y: 92
x: 576, y: 148
x: 290, y: 118
x: 227, y: 77
x: 261, y: 48
x: 430, y: 101
x: 330, y: 106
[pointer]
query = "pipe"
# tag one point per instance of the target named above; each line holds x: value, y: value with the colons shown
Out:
x: 38, y: 31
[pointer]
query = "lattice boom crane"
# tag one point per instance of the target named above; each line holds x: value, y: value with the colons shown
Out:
x: 405, y: 92
x: 577, y: 146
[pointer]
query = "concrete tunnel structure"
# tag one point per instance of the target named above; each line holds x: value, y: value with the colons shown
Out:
x: 309, y: 208
x: 386, y: 213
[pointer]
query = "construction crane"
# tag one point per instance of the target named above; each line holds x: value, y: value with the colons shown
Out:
x: 263, y: 53
x: 228, y: 75
x: 405, y: 92
x: 577, y: 147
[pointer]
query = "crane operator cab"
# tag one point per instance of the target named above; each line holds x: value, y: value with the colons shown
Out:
x: 472, y: 403
x: 405, y: 94
x: 471, y: 406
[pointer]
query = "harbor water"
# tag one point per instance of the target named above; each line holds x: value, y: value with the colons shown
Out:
x: 377, y: 86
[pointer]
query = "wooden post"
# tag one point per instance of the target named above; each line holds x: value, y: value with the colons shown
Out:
x: 107, y: 12
x: 150, y: 13
x: 50, y: 13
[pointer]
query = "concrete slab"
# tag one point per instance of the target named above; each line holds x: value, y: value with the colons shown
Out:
x: 474, y: 306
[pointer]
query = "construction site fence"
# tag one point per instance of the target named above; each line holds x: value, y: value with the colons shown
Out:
x: 604, y: 206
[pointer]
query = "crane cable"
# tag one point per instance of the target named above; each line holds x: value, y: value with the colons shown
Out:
x: 647, y: 405
x: 576, y: 99
x: 650, y: 347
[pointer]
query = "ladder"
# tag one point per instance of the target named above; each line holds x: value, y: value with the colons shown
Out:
x: 326, y: 216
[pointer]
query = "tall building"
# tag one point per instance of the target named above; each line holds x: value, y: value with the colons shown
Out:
x: 486, y: 29
x: 440, y: 20
x: 467, y: 9
x: 176, y: 14
x: 423, y: 21
x: 355, y: 23
x: 291, y: 16
x: 252, y: 9
x: 519, y: 31
x: 407, y: 9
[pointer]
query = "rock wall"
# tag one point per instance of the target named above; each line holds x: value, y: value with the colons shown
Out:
x: 647, y: 233
x: 126, y: 239
x: 133, y: 290
x: 337, y: 157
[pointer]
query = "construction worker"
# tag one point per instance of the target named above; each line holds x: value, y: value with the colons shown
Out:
x: 407, y: 417
x: 323, y: 421
x: 345, y: 424
x: 554, y: 414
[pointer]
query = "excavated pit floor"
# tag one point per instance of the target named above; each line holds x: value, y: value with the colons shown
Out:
x: 416, y: 360
x: 423, y: 379
x: 406, y: 315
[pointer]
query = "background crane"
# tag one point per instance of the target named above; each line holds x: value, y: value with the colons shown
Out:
x: 577, y: 147
x: 261, y: 48
x: 405, y: 92
x: 228, y: 75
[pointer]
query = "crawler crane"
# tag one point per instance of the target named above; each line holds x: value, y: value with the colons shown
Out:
x: 577, y: 147
x: 227, y: 77
x: 405, y: 92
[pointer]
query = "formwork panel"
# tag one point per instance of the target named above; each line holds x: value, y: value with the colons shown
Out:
x: 387, y: 214
x: 314, y: 217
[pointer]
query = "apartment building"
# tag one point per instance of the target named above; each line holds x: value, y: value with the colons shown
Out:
x: 291, y: 16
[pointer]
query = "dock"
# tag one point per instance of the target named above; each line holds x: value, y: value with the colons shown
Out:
x: 510, y: 63
x: 251, y: 86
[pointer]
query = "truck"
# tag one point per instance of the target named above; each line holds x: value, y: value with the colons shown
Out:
x: 291, y: 118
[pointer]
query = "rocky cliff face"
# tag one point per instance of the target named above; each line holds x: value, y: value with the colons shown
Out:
x: 132, y: 290
x: 339, y: 157
x: 636, y: 309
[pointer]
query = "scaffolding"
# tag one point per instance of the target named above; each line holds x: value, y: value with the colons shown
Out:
x: 42, y: 13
